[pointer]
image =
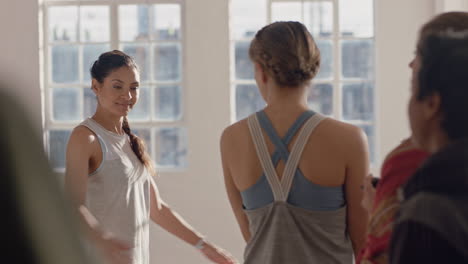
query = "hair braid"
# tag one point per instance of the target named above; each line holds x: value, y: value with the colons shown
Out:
x: 138, y: 147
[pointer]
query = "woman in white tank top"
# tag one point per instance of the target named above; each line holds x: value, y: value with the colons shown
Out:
x: 109, y: 173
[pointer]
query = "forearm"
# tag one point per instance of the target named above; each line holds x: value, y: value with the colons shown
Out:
x: 357, y: 224
x: 175, y: 224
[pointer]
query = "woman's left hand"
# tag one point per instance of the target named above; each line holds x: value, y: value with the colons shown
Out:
x: 217, y: 255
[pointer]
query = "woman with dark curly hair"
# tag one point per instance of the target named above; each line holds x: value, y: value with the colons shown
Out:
x: 432, y: 225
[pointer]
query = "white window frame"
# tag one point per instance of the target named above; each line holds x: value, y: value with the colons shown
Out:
x: 336, y: 80
x: 114, y: 43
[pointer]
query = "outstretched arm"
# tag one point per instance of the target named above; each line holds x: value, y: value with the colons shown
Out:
x: 168, y: 219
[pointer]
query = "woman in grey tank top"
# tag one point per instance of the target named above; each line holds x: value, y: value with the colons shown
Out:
x: 294, y: 176
x: 109, y: 173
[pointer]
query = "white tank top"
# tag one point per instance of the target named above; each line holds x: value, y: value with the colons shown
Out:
x: 118, y: 192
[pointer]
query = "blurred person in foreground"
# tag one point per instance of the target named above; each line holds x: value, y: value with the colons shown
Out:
x: 38, y: 226
x: 399, y: 165
x: 432, y: 224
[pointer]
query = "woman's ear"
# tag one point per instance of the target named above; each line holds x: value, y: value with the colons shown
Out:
x: 263, y: 77
x: 431, y: 108
x: 95, y: 86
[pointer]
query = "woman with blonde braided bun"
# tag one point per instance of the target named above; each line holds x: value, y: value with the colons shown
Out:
x: 109, y: 173
x: 296, y: 196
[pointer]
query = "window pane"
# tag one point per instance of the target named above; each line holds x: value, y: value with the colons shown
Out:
x: 94, y: 23
x: 90, y: 55
x: 244, y: 66
x: 145, y: 135
x: 290, y: 11
x: 166, y: 22
x: 320, y: 98
x: 171, y: 147
x: 326, y: 59
x: 139, y: 52
x: 356, y: 18
x: 64, y: 64
x: 167, y: 62
x: 89, y: 102
x: 63, y: 22
x: 65, y: 104
x: 358, y: 101
x: 248, y: 100
x: 247, y: 17
x: 358, y: 59
x: 58, y: 140
x: 369, y: 130
x: 133, y: 22
x: 167, y: 102
x: 141, y: 111
x: 318, y: 18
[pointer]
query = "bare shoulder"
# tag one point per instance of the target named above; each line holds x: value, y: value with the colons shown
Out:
x: 82, y: 138
x: 348, y: 139
x: 342, y: 131
x: 83, y: 134
x: 234, y: 133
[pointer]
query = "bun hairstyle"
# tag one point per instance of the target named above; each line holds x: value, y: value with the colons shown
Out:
x: 287, y: 52
x: 444, y: 71
x: 106, y: 64
x: 110, y: 61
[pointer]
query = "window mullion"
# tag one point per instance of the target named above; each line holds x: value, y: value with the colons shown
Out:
x: 114, y: 26
x: 269, y: 3
x: 151, y: 70
x: 81, y: 78
x: 337, y: 93
x: 47, y: 67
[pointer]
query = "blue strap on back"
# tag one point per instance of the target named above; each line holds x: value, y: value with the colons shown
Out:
x: 281, y: 151
x: 304, y: 193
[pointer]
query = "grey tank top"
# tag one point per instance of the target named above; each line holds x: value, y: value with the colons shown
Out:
x: 118, y: 193
x: 284, y: 233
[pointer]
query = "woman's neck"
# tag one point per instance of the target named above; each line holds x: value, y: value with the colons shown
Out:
x: 287, y: 99
x: 108, y: 121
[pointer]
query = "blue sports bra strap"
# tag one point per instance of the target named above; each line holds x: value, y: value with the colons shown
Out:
x: 296, y: 152
x: 270, y: 131
x: 281, y: 150
x: 297, y: 124
x: 264, y: 157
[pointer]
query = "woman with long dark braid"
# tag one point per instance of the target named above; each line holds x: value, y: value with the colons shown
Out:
x: 109, y: 173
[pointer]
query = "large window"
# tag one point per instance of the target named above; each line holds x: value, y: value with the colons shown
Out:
x: 76, y: 32
x: 344, y: 32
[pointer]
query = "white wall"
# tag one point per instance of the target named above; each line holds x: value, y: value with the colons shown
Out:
x: 19, y: 54
x: 397, y: 24
x: 199, y: 193
x: 450, y: 5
